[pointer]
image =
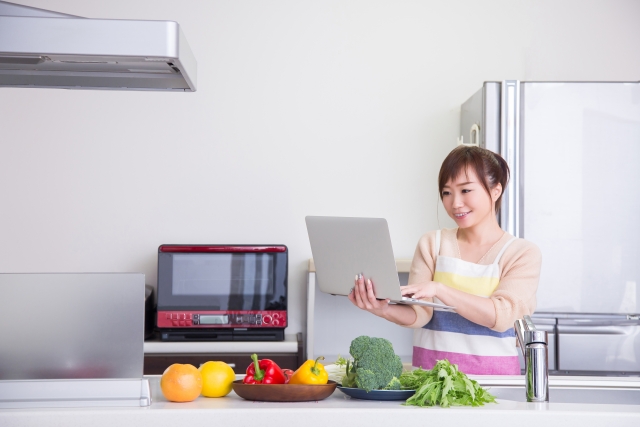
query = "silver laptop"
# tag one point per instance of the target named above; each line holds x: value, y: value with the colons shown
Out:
x: 344, y: 247
x: 67, y: 326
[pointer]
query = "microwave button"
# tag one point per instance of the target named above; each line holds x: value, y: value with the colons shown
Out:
x: 266, y: 320
x: 174, y: 322
x: 189, y: 316
x: 187, y: 322
x: 195, y: 321
x: 182, y: 323
x: 195, y: 316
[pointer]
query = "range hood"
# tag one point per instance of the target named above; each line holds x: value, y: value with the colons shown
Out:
x: 46, y: 49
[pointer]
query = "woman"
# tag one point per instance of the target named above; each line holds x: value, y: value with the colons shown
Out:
x: 489, y: 276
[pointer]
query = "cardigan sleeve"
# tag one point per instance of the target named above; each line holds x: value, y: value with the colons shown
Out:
x: 515, y: 295
x: 422, y: 269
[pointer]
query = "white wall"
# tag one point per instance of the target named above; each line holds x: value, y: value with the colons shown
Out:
x: 303, y: 107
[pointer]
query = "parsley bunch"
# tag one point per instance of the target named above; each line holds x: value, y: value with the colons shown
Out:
x: 443, y: 385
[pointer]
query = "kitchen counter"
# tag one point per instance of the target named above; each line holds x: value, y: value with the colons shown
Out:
x: 337, y: 410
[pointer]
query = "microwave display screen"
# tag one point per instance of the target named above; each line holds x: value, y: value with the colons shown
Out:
x: 223, y: 281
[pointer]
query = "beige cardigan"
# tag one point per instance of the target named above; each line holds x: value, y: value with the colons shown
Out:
x: 514, y: 297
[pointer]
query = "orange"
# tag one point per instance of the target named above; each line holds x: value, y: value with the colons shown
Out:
x: 216, y: 379
x: 181, y: 383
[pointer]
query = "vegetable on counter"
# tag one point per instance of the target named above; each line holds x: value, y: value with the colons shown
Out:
x: 444, y: 385
x: 287, y: 373
x: 337, y: 370
x: 264, y: 371
x: 311, y: 372
x: 375, y: 365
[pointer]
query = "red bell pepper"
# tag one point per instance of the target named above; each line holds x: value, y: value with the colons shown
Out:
x: 264, y: 371
x: 288, y: 373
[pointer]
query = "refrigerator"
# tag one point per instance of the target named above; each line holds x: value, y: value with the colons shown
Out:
x: 573, y: 149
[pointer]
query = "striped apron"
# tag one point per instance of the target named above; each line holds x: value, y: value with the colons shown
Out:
x: 475, y: 349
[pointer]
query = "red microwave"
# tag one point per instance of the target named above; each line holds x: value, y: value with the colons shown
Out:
x: 222, y: 292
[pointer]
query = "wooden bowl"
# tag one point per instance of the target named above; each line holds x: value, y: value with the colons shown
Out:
x: 283, y: 392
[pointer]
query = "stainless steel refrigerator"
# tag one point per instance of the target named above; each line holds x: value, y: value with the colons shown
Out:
x: 574, y: 153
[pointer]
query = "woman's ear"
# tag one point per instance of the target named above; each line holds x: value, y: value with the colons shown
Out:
x: 496, y: 192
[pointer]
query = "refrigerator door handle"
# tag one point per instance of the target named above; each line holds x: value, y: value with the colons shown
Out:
x: 511, y: 212
x: 596, y: 330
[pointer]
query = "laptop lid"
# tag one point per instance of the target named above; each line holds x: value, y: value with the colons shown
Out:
x: 71, y: 325
x: 343, y: 247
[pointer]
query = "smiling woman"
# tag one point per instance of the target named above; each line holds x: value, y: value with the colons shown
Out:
x: 490, y: 276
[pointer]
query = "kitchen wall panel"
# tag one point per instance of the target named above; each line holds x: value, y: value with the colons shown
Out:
x: 302, y: 108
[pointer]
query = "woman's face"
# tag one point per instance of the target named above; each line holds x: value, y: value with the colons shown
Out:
x: 467, y: 202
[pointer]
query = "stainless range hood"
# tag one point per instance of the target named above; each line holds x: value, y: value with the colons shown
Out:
x: 45, y: 49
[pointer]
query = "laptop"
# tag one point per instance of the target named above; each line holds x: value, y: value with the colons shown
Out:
x: 71, y: 325
x: 344, y: 247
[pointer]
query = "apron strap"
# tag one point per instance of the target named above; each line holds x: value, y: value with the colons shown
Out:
x: 438, y: 242
x: 504, y: 248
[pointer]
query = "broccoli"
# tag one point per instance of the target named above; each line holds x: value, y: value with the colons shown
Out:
x: 394, y: 384
x: 375, y: 365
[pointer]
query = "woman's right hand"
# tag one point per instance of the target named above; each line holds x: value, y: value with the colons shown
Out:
x: 363, y: 297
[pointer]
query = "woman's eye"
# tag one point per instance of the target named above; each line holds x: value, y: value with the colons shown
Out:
x: 466, y: 191
x: 445, y: 193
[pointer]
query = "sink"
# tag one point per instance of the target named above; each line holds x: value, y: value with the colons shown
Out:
x: 611, y: 396
x: 568, y: 389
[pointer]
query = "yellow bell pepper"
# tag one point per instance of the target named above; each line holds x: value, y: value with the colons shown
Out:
x: 311, y: 372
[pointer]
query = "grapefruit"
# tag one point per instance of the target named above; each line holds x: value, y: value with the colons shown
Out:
x: 181, y: 383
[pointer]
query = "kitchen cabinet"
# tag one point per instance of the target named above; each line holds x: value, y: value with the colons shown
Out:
x: 158, y: 355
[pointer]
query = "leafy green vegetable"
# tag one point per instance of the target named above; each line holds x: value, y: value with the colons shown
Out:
x: 337, y: 370
x: 341, y: 361
x: 443, y: 385
x: 375, y: 365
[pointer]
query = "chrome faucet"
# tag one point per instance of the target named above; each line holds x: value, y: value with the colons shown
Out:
x: 536, y: 359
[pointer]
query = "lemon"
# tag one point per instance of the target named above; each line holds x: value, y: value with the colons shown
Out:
x: 216, y: 379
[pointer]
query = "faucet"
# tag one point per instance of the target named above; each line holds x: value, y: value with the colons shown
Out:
x: 533, y: 344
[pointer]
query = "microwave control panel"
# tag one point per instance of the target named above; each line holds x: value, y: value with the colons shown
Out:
x: 218, y: 319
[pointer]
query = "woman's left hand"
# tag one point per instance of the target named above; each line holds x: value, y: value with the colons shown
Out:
x: 420, y: 290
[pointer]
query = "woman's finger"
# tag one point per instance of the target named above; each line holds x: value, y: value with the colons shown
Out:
x: 364, y: 293
x: 407, y: 290
x: 365, y: 297
x: 358, y: 293
x: 370, y: 294
x: 352, y: 296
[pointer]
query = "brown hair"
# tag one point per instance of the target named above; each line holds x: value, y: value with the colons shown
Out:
x: 490, y: 168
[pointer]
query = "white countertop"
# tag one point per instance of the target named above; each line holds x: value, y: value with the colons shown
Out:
x: 337, y: 410
x: 289, y: 345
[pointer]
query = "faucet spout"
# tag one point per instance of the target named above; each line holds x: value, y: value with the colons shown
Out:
x: 534, y: 346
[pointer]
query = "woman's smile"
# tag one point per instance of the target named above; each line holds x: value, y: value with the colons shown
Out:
x: 461, y: 215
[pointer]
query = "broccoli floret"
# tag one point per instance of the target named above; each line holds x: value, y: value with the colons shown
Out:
x: 394, y: 384
x: 375, y: 364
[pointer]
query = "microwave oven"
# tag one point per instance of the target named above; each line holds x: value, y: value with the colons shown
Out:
x: 222, y: 292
